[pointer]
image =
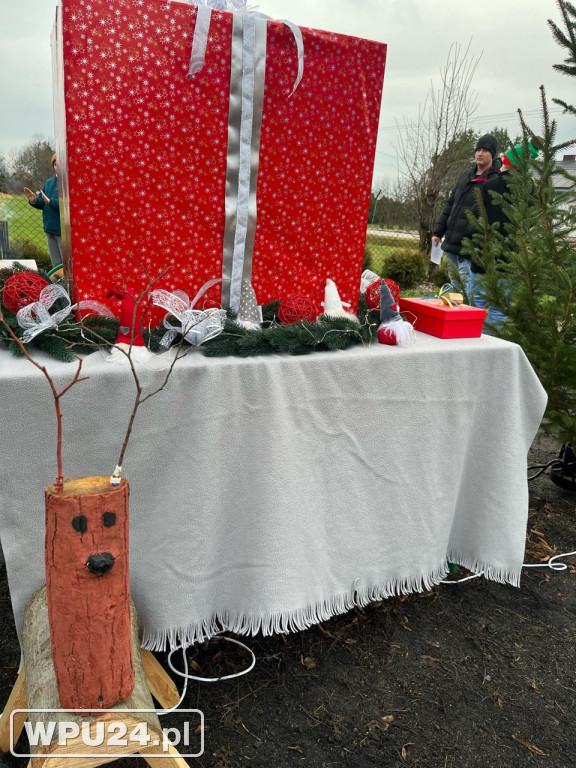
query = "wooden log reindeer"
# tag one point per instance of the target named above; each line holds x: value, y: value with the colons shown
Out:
x: 88, y: 591
x: 87, y: 570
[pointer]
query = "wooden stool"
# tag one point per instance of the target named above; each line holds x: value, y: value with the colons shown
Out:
x: 35, y: 688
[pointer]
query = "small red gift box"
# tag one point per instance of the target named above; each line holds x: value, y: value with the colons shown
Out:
x: 435, y: 317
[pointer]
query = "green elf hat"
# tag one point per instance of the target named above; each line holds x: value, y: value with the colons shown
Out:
x: 512, y: 156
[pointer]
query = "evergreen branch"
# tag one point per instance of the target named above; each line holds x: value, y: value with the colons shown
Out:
x: 85, y: 335
x: 302, y: 337
x: 568, y: 108
x: 531, y: 272
x: 568, y: 40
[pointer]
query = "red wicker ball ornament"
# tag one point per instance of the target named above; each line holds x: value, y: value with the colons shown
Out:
x: 296, y: 307
x: 21, y: 289
x: 372, y: 294
x: 394, y: 289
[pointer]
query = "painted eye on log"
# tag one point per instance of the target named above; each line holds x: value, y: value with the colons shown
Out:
x: 109, y: 519
x: 80, y: 523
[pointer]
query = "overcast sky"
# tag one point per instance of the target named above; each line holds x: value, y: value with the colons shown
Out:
x: 512, y: 37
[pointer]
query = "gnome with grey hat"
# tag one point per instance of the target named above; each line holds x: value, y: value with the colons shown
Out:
x: 393, y: 329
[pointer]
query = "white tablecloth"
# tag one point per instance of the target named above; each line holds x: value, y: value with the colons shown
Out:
x: 270, y: 493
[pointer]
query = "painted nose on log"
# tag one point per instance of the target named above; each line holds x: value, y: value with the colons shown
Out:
x: 100, y: 563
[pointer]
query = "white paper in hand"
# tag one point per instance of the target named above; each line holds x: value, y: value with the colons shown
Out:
x: 435, y: 253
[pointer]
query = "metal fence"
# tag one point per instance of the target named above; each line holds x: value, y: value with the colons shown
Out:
x: 382, y: 242
x: 21, y: 232
x: 22, y: 235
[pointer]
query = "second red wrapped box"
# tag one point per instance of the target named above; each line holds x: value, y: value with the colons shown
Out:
x: 436, y: 318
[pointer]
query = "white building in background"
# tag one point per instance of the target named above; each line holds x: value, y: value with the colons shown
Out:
x: 565, y: 184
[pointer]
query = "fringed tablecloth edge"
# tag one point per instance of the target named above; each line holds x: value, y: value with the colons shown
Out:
x: 298, y: 619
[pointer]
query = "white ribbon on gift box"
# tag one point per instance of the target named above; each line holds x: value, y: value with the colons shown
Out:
x: 247, y: 76
x: 195, y: 325
x: 35, y: 317
x: 202, y: 28
x: 200, y: 39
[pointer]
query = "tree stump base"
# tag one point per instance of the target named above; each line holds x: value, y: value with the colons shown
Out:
x: 36, y: 688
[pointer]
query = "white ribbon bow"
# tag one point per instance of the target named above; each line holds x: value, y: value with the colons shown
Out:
x: 200, y: 38
x: 195, y: 325
x: 35, y: 317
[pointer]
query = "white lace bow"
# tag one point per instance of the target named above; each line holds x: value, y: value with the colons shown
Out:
x: 36, y: 317
x: 195, y: 325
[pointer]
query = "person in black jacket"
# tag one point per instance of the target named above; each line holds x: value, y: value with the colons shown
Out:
x: 453, y: 224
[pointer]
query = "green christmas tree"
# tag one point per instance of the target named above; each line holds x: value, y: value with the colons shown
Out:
x: 531, y: 275
x: 567, y: 40
x: 531, y: 261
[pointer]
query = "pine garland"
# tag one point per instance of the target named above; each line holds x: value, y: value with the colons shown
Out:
x: 301, y: 338
x: 71, y: 337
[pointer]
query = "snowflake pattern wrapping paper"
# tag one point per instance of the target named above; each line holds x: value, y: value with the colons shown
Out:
x: 142, y: 150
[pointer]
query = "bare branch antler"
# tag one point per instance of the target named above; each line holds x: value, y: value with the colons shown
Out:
x: 59, y: 484
x: 139, y: 397
x: 100, y: 342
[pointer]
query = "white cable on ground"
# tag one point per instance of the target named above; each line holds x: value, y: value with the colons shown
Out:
x: 161, y: 712
x: 187, y: 676
x: 460, y: 581
x: 551, y: 563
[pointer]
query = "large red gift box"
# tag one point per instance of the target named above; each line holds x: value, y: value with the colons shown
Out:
x: 143, y: 150
x: 436, y: 318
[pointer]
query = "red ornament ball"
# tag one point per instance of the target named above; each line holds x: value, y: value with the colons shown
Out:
x: 296, y: 307
x: 21, y: 289
x: 372, y: 294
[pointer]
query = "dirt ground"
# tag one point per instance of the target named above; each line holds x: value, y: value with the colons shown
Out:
x: 469, y: 675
